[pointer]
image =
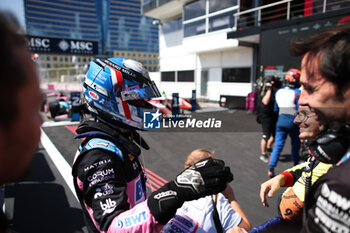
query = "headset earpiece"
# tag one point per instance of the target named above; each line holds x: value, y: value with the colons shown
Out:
x: 331, y: 144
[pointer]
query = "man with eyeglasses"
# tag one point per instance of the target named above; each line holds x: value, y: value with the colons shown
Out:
x: 292, y: 200
x: 309, y: 127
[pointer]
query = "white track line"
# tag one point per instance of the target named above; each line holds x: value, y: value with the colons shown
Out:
x: 61, y: 164
x: 59, y: 123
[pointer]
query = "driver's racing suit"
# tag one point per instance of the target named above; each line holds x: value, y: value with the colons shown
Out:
x: 109, y: 182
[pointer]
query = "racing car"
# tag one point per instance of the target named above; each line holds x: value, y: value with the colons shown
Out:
x: 164, y: 104
x: 57, y: 108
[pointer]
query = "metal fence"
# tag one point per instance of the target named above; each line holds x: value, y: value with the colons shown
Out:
x: 285, y: 10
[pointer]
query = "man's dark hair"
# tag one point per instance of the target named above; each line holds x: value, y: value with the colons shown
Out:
x: 12, y: 72
x: 332, y: 49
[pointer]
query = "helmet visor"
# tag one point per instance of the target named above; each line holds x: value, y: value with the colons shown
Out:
x: 140, y: 103
x: 136, y: 93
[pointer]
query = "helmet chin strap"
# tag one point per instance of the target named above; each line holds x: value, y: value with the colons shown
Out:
x: 125, y: 129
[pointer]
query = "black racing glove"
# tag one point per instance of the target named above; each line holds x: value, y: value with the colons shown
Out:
x: 208, y: 176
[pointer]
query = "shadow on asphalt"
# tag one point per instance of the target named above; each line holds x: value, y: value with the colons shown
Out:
x: 38, y: 204
x: 39, y: 171
x: 285, y: 158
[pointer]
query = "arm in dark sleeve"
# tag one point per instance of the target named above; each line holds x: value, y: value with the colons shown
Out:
x: 105, y: 195
x: 104, y: 188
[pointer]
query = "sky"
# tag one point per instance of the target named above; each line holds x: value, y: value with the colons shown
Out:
x: 15, y: 6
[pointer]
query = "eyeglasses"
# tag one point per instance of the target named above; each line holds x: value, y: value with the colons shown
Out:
x: 303, y: 115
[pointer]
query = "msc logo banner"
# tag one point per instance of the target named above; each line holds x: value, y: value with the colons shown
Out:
x: 40, y: 44
x: 151, y: 120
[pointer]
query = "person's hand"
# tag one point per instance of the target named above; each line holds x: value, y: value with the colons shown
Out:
x: 206, y: 177
x: 236, y: 230
x: 270, y: 187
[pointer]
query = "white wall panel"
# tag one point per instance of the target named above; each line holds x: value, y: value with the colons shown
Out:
x: 215, y: 89
x: 211, y: 53
x: 214, y: 75
x: 183, y: 88
x: 210, y: 59
x: 178, y: 63
x: 242, y: 57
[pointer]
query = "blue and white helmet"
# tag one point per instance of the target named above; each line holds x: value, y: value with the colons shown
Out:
x: 116, y: 90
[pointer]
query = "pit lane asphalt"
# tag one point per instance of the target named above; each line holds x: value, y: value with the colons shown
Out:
x: 43, y: 202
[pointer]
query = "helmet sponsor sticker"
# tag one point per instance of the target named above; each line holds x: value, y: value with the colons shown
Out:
x: 93, y: 95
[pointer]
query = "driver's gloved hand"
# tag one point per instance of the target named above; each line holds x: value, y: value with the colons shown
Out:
x: 208, y: 176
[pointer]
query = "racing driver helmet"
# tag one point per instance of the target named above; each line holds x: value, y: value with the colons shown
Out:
x: 292, y: 77
x: 116, y: 90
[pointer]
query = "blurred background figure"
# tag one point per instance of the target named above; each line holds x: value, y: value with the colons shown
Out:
x: 268, y: 117
x: 286, y: 105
